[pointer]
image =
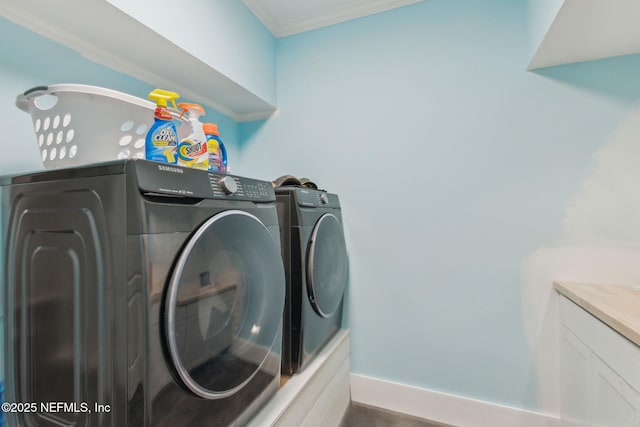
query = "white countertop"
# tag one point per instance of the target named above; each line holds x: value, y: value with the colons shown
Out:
x: 616, y: 306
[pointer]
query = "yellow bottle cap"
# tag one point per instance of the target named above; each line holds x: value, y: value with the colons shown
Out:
x: 161, y: 97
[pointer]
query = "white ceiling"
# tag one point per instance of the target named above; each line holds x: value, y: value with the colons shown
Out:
x: 582, y: 30
x: 287, y: 17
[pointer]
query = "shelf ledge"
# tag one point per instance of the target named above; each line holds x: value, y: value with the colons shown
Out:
x: 106, y: 35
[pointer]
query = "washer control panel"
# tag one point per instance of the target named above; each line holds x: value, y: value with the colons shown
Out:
x: 310, y: 198
x: 240, y: 187
x: 171, y: 180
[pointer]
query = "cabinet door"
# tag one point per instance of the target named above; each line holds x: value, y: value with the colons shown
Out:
x: 615, y: 403
x: 575, y: 379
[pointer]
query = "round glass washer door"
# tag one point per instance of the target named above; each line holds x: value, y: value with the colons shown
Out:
x: 224, y: 302
x: 327, y: 266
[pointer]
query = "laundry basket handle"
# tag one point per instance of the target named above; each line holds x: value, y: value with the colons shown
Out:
x: 23, y: 100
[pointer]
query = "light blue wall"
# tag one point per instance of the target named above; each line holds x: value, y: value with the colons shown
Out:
x: 222, y: 33
x: 453, y: 165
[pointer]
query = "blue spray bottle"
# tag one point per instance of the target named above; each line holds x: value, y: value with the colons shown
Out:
x: 162, y: 139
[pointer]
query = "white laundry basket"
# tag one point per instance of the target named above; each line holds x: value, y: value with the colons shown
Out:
x: 80, y: 124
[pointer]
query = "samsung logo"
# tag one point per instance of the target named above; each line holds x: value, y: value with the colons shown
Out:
x: 170, y: 169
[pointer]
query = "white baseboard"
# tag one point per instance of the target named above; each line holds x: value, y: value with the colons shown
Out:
x: 442, y: 407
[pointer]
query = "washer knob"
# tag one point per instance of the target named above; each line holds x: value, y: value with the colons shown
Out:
x: 229, y: 185
x: 323, y: 198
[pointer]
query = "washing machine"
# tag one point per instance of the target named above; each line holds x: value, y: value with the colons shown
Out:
x: 141, y: 294
x: 316, y: 269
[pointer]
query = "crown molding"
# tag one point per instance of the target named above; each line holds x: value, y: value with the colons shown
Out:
x: 351, y: 9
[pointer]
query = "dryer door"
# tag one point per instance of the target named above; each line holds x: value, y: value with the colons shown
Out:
x: 224, y: 304
x: 327, y: 265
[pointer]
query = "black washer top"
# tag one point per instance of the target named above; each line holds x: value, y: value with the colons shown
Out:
x: 309, y: 198
x: 162, y: 179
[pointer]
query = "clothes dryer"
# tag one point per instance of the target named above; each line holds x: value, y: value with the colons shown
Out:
x: 316, y: 270
x: 141, y: 294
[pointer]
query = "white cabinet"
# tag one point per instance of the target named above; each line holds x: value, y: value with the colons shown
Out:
x: 574, y: 380
x: 596, y: 368
x: 615, y: 403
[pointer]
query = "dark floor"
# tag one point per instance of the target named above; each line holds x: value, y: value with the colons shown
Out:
x: 368, y: 416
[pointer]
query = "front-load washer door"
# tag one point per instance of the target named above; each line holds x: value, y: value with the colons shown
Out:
x: 224, y: 304
x: 327, y: 265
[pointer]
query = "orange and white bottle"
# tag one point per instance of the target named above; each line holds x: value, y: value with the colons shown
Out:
x: 193, y: 150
